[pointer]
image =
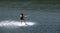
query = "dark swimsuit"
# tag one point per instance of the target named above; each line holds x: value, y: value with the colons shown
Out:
x: 21, y: 18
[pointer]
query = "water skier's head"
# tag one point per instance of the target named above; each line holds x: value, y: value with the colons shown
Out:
x: 21, y: 13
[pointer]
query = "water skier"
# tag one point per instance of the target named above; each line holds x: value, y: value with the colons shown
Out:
x: 22, y: 18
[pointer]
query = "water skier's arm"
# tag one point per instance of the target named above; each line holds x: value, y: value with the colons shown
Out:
x: 25, y: 16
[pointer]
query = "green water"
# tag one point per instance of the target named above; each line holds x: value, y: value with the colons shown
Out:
x: 47, y: 17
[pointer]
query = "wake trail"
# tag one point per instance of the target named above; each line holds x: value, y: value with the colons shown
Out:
x: 15, y: 23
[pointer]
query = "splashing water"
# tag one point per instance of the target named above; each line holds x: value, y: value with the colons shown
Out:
x: 15, y: 23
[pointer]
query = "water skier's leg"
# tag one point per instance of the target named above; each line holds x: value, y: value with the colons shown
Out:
x: 21, y: 21
x: 24, y: 21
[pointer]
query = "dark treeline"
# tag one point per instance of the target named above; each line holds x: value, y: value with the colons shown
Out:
x: 36, y: 1
x: 30, y: 0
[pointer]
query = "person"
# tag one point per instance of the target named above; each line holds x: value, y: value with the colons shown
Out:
x: 22, y: 18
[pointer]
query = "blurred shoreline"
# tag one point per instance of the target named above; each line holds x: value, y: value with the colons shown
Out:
x: 33, y: 1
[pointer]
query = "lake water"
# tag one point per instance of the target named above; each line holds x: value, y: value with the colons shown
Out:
x: 46, y: 17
